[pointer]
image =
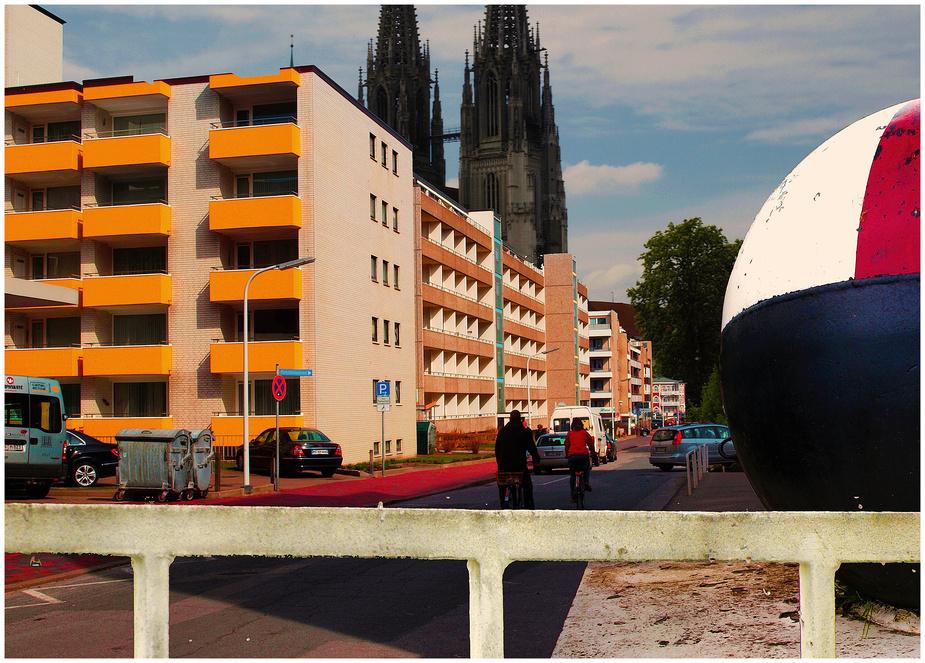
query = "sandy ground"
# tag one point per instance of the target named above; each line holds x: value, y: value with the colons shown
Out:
x: 711, y: 610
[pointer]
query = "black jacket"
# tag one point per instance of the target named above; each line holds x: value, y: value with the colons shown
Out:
x: 512, y: 445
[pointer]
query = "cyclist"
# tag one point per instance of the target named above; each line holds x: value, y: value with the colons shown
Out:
x: 579, y: 448
x: 513, y: 443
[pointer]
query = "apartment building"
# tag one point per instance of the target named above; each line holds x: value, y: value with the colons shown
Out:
x: 569, y: 368
x: 668, y: 399
x: 156, y: 204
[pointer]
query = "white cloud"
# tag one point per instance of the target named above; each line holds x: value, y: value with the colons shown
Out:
x: 583, y: 178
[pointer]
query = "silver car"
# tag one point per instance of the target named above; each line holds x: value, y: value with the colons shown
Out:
x: 551, y: 448
x: 671, y: 444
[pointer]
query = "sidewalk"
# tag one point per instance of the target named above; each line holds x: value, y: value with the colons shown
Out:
x: 719, y: 491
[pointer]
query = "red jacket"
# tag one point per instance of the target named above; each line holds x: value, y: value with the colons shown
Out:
x: 579, y: 443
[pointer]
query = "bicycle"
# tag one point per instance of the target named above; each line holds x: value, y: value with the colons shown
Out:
x: 513, y: 496
x: 579, y: 489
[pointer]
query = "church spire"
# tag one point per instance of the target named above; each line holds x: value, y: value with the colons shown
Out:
x: 398, y: 87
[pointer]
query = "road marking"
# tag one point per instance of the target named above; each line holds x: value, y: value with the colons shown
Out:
x: 34, y: 593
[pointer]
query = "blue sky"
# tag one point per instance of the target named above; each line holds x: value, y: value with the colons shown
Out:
x: 665, y: 112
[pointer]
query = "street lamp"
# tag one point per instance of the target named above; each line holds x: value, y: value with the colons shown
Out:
x: 529, y: 407
x: 247, y: 451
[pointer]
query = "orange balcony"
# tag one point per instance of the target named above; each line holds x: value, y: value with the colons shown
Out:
x: 108, y: 427
x: 48, y: 226
x: 44, y: 362
x: 117, y: 153
x: 134, y: 290
x: 49, y: 164
x: 47, y: 105
x: 270, y: 146
x: 234, y: 87
x: 127, y: 360
x: 246, y: 214
x: 262, y: 356
x: 227, y: 287
x: 106, y: 223
x: 228, y: 430
x: 127, y: 98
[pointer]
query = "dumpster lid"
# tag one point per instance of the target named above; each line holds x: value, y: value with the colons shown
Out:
x: 151, y: 434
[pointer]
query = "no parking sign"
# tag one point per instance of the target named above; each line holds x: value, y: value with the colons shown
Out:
x: 279, y: 388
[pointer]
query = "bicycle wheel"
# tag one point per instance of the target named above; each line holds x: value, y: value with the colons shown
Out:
x: 579, y: 492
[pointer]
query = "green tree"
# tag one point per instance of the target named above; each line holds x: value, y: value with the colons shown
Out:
x: 679, y: 300
x: 711, y: 401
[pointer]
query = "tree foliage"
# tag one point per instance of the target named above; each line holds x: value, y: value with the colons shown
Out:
x: 679, y: 299
x: 711, y: 402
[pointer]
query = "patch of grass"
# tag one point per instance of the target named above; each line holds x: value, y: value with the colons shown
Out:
x: 854, y: 604
x: 440, y: 459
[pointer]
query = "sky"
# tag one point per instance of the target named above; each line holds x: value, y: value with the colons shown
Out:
x: 665, y: 112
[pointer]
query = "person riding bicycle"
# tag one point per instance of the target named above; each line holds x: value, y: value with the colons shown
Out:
x: 513, y: 443
x: 579, y: 448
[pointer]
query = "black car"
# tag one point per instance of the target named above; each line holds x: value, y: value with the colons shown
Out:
x: 300, y: 449
x: 89, y: 459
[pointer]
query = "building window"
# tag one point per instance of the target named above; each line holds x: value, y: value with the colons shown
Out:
x: 56, y: 265
x: 388, y: 446
x: 397, y: 390
x: 375, y: 330
x: 374, y: 268
x: 140, y: 260
x: 395, y: 219
x: 385, y: 154
x: 375, y: 391
x: 397, y: 330
x: 375, y: 451
x: 385, y: 331
x: 385, y: 214
x: 139, y: 399
x: 146, y: 329
x: 395, y: 162
x: 270, y: 325
x: 385, y: 272
x: 372, y: 146
x: 395, y: 280
x: 372, y: 207
x: 398, y: 446
x: 71, y: 395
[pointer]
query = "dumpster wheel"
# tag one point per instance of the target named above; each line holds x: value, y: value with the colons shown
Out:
x: 187, y: 495
x: 119, y: 496
x: 162, y: 496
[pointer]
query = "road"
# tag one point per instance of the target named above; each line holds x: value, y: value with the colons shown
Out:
x: 326, y: 607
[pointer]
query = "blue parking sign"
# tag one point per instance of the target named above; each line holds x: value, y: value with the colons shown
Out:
x: 384, y: 388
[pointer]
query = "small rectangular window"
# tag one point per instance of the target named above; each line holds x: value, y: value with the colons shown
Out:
x: 372, y: 207
x: 397, y: 338
x: 395, y: 219
x: 372, y: 146
x: 385, y: 272
x: 397, y: 391
x: 375, y: 451
x: 374, y: 267
x: 385, y: 331
x: 385, y: 153
x: 388, y: 446
x: 385, y: 214
x: 395, y: 162
x: 395, y: 280
x: 375, y: 391
x: 375, y: 330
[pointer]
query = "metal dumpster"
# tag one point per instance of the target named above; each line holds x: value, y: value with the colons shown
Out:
x: 201, y: 466
x: 153, y: 462
x: 427, y: 438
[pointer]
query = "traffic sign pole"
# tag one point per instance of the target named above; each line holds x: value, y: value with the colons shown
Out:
x: 383, y: 400
x: 279, y: 393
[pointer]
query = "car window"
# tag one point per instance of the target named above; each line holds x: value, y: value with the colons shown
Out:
x: 663, y: 434
x: 74, y: 441
x: 690, y: 433
x: 260, y: 439
x: 723, y: 432
x: 551, y: 441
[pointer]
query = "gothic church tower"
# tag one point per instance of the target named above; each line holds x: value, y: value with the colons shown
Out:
x: 398, y: 84
x: 509, y: 157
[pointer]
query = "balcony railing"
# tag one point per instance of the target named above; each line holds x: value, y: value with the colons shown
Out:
x: 488, y: 540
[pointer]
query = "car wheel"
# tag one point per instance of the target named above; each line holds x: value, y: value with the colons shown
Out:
x: 327, y: 473
x: 239, y: 461
x: 664, y: 468
x: 84, y: 474
x: 38, y: 490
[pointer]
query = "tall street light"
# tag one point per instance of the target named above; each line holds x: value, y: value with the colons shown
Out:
x: 529, y: 406
x: 248, y: 489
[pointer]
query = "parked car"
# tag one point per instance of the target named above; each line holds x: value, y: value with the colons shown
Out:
x: 551, y: 448
x: 671, y: 444
x: 300, y: 450
x: 89, y: 459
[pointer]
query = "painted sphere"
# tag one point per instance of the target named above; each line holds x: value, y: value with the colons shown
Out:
x: 820, y: 337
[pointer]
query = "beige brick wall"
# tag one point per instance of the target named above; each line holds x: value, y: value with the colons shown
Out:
x: 33, y: 47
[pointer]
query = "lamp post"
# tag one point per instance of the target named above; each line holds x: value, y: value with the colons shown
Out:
x: 248, y: 489
x: 529, y: 407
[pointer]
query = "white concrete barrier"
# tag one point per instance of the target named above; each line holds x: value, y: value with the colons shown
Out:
x: 489, y: 540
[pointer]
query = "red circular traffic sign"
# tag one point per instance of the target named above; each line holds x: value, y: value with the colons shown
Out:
x: 279, y: 388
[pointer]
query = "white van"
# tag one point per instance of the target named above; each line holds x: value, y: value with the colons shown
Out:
x: 562, y: 422
x: 35, y: 436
